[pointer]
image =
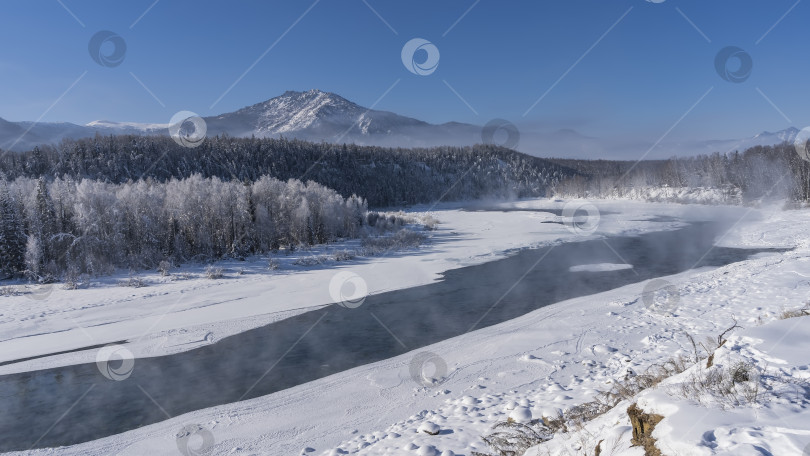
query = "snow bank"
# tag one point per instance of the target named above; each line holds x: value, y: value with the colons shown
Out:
x: 759, y: 404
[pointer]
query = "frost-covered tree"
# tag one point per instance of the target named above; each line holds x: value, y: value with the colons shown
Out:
x: 95, y: 227
x: 34, y: 258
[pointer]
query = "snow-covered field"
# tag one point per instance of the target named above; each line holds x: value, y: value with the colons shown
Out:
x: 549, y: 360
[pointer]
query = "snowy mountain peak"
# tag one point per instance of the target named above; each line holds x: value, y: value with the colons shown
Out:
x: 788, y: 134
x: 319, y: 116
x: 316, y: 115
x: 294, y: 111
x: 135, y: 126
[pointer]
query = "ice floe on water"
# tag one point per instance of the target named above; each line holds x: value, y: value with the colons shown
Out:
x: 600, y: 267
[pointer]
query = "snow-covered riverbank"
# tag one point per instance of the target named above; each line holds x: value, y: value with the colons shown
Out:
x: 553, y: 358
x: 188, y: 310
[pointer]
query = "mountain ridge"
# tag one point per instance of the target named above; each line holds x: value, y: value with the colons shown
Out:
x: 321, y: 116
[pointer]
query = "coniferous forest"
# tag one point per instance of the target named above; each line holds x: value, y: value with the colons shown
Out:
x: 91, y: 206
x: 385, y: 177
x: 761, y: 172
x: 94, y: 205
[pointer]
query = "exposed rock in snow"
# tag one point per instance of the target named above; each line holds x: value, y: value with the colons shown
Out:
x: 429, y: 428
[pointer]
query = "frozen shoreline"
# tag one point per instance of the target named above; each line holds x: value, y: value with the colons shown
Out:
x: 169, y: 316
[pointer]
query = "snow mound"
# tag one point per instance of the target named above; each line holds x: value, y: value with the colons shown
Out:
x: 521, y: 415
x: 429, y: 428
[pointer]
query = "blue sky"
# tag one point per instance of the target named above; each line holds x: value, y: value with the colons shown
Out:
x: 635, y: 83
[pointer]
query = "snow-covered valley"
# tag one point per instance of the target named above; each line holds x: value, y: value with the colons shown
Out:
x: 526, y: 368
x: 370, y: 228
x: 187, y: 310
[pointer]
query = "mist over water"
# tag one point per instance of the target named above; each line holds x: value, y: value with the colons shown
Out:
x: 336, y: 338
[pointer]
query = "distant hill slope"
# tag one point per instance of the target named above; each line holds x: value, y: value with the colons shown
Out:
x: 319, y: 116
x: 313, y: 115
x: 324, y: 116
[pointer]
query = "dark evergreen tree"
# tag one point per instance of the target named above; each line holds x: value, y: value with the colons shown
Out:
x: 12, y: 235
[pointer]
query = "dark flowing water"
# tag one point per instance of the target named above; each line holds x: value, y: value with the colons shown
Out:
x: 334, y: 338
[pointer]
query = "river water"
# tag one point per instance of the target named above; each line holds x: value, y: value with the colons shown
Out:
x: 334, y: 338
